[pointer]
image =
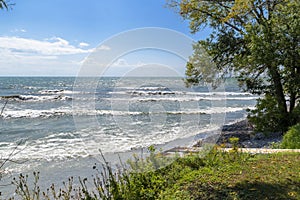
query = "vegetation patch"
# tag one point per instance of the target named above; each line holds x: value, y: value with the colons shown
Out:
x: 291, y: 140
x: 218, y: 175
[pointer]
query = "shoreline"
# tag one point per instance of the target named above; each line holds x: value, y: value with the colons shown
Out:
x: 248, y: 138
x: 241, y: 129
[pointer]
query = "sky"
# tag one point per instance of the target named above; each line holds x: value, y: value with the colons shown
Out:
x: 55, y: 38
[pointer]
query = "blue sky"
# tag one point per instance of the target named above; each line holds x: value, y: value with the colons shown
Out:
x: 54, y: 37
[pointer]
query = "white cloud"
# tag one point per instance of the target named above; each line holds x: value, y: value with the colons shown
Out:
x: 54, y: 46
x: 124, y: 63
x: 22, y: 30
x: 120, y: 63
x: 103, y: 47
x: 83, y: 44
x: 23, y: 56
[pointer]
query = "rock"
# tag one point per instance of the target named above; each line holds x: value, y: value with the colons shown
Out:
x: 199, y: 143
x: 244, y: 131
x: 241, y: 125
x: 259, y: 136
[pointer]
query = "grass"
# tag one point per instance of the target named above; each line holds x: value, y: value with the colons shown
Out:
x: 272, y: 176
x: 218, y: 175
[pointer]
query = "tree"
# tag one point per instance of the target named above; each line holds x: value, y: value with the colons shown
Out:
x: 257, y: 41
x: 5, y: 4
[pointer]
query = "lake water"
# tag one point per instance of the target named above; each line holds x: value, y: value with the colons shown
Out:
x: 57, y: 125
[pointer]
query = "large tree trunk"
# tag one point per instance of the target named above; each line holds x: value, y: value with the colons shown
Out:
x: 292, y: 102
x: 280, y: 98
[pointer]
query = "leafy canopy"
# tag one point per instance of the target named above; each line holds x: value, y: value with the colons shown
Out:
x: 257, y: 41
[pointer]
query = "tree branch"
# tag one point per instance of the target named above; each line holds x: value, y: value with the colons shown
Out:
x: 228, y: 8
x: 219, y: 19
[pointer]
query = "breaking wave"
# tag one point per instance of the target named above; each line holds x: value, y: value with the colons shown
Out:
x: 31, y: 113
x: 36, y: 98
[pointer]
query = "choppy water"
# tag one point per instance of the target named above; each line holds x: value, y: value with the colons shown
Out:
x: 50, y: 122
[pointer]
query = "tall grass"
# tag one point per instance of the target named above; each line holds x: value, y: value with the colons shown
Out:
x: 203, y: 175
x: 136, y: 179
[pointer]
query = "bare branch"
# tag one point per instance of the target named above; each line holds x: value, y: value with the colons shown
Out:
x: 3, y: 107
x: 9, y: 158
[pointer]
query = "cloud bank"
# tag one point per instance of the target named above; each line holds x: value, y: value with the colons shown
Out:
x: 24, y: 56
x: 53, y: 46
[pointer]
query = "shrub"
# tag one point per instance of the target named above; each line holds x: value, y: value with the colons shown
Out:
x: 291, y: 140
x: 266, y: 117
x: 235, y: 142
x: 275, y: 145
